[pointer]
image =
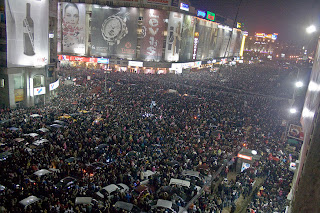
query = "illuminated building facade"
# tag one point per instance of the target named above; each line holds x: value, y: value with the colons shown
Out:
x: 150, y: 36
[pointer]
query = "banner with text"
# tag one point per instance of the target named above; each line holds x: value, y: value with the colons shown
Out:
x: 152, y: 34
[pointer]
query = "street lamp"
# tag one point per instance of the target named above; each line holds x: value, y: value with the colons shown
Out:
x: 299, y: 84
x: 311, y: 29
x: 293, y: 111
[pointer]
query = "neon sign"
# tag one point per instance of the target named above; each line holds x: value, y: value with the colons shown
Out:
x: 201, y: 14
x: 184, y: 7
x: 210, y: 16
x: 244, y: 157
x: 195, y: 45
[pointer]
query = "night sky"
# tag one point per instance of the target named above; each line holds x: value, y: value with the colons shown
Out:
x: 289, y: 18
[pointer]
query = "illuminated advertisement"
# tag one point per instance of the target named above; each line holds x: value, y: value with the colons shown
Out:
x: 18, y: 95
x: 78, y: 58
x: 244, y: 157
x: 174, y: 36
x: 261, y: 35
x: 152, y: 35
x: 71, y: 28
x: 201, y: 14
x: 163, y: 2
x: 184, y: 7
x: 103, y: 60
x: 135, y: 63
x: 27, y: 32
x: 187, y: 39
x: 210, y: 16
x: 114, y: 31
x: 39, y: 91
x: 274, y: 36
x: 195, y: 45
x: 207, y: 38
x: 54, y: 85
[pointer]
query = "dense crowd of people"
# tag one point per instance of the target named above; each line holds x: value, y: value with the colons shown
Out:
x: 139, y: 123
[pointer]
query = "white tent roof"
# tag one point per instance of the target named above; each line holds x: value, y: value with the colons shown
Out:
x: 179, y: 182
x: 29, y: 200
x: 43, y: 130
x: 35, y: 115
x: 83, y: 200
x: 164, y: 203
x: 41, y: 172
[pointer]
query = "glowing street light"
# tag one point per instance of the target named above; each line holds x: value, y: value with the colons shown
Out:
x: 299, y: 84
x: 311, y: 29
x: 293, y: 111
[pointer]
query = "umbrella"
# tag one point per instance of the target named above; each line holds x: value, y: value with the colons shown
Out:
x: 59, y: 122
x: 19, y: 139
x: 43, y: 130
x: 13, y: 128
x: 35, y: 115
x: 56, y: 125
x: 31, y: 134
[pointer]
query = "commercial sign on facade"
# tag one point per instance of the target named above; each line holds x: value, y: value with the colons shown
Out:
x: 184, y: 6
x: 174, y: 36
x: 27, y: 32
x: 210, y: 16
x: 187, y: 38
x: 195, y: 45
x: 114, y: 31
x: 72, y: 23
x: 273, y: 36
x: 135, y: 63
x: 39, y: 91
x: 103, y: 60
x: 152, y: 36
x: 201, y: 14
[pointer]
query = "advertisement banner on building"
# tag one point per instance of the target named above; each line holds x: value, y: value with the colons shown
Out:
x: 71, y: 28
x: 39, y: 91
x: 152, y: 34
x: 173, y: 41
x: 187, y: 37
x: 162, y: 2
x: 18, y: 95
x: 54, y: 85
x: 27, y: 32
x: 295, y: 132
x: 114, y: 31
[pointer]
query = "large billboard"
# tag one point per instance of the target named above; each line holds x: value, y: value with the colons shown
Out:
x: 114, y: 31
x: 152, y: 34
x: 187, y: 35
x: 27, y: 24
x: 71, y: 28
x: 174, y: 36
